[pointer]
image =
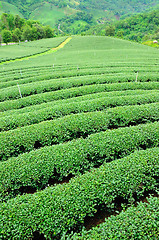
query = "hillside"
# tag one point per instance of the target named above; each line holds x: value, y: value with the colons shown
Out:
x: 140, y: 27
x: 79, y: 135
x: 53, y: 10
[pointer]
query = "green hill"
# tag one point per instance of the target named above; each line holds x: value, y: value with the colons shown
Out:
x: 53, y: 10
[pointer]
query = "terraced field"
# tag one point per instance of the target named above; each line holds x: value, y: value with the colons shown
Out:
x: 79, y: 140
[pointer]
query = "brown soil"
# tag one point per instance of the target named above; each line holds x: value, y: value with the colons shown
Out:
x: 104, y: 213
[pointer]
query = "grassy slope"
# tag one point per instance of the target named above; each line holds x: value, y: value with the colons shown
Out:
x: 47, y: 13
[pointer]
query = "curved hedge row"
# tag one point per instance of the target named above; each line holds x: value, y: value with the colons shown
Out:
x: 77, y: 81
x: 74, y: 92
x: 64, y: 71
x: 63, y: 208
x: 55, y: 111
x: 76, y: 99
x: 48, y: 86
x: 109, y: 65
x: 139, y: 222
x: 63, y: 129
x: 35, y: 169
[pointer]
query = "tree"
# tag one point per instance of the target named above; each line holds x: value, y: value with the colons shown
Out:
x: 27, y: 33
x: 120, y: 33
x: 7, y: 21
x: 18, y: 22
x: 39, y: 31
x: 110, y: 31
x: 16, y: 37
x: 0, y: 39
x: 48, y: 32
x: 6, y: 36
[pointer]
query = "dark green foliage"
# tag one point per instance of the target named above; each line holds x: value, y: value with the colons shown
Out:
x: 6, y: 36
x: 140, y: 27
x: 139, y: 222
x: 110, y: 31
x: 15, y: 29
x: 35, y: 169
x: 67, y: 128
x: 62, y: 208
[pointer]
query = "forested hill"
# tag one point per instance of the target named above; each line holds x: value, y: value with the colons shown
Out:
x: 51, y: 11
x: 140, y: 27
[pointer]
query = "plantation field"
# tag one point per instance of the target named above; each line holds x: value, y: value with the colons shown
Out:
x: 79, y: 139
x: 25, y: 49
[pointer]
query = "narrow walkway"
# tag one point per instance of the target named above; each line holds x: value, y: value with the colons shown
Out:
x: 40, y: 54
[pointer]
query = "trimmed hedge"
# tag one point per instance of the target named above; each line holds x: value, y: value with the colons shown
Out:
x: 13, y: 92
x: 5, y: 106
x: 52, y: 75
x: 139, y: 222
x: 67, y: 128
x: 55, y: 111
x: 74, y: 92
x: 63, y: 208
x: 37, y: 168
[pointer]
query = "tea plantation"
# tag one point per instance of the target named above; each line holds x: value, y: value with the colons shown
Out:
x: 79, y: 140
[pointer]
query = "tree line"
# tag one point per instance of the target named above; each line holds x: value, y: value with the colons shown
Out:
x: 15, y: 29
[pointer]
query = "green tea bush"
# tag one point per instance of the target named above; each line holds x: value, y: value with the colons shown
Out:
x: 55, y: 111
x: 63, y: 208
x: 67, y: 128
x: 48, y: 86
x: 52, y: 75
x: 72, y: 92
x: 139, y: 222
x: 76, y: 99
x: 35, y: 169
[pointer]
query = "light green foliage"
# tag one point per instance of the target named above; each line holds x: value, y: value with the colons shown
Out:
x: 65, y: 11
